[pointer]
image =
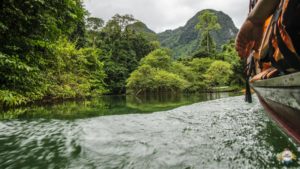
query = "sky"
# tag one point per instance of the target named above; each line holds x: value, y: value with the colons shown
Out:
x: 160, y: 15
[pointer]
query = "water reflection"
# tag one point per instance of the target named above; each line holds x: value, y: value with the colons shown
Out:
x: 110, y: 105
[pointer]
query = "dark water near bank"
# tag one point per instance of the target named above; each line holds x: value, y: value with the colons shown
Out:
x: 122, y: 132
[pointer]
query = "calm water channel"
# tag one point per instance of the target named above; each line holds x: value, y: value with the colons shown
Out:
x: 159, y: 132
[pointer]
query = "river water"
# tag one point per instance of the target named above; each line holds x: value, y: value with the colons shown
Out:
x: 134, y: 133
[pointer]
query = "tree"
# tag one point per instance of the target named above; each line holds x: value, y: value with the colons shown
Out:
x: 94, y: 26
x: 157, y: 73
x: 141, y: 79
x: 200, y: 65
x: 218, y: 74
x: 230, y: 55
x: 198, y: 68
x: 208, y: 22
x: 123, y: 20
x: 123, y: 49
x: 158, y: 59
x: 207, y: 44
x: 183, y: 71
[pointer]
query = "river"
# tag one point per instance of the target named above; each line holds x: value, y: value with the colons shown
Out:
x: 159, y: 132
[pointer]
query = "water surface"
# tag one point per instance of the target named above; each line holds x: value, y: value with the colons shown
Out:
x: 223, y: 133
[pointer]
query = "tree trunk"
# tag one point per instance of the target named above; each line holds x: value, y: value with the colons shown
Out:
x: 94, y: 42
x: 207, y: 43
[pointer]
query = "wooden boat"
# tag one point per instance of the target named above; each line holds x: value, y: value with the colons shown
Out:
x: 280, y: 96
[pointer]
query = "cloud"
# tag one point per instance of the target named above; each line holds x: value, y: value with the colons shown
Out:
x: 160, y: 15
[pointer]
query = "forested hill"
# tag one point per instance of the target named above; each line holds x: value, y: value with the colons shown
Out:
x: 185, y: 40
x: 142, y: 28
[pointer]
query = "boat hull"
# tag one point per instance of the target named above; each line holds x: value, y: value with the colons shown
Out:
x: 281, y: 99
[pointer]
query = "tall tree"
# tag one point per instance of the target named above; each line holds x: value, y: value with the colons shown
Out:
x: 208, y: 22
x: 94, y: 26
x: 94, y: 23
x: 123, y: 49
x: 124, y: 20
x: 230, y: 55
x: 218, y: 74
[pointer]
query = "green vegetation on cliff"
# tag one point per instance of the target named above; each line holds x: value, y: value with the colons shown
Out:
x: 141, y: 28
x: 184, y: 41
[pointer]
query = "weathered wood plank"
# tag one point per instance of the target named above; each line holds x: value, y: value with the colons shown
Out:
x: 292, y: 80
x: 289, y: 97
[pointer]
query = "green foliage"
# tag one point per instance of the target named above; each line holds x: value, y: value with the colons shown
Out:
x: 17, y: 75
x: 94, y: 24
x: 141, y: 79
x: 75, y: 73
x: 155, y: 75
x: 70, y: 73
x: 19, y: 82
x: 218, y: 74
x: 155, y: 45
x: 55, y: 53
x: 158, y: 59
x: 208, y: 22
x: 36, y: 62
x: 10, y: 98
x: 37, y: 21
x: 230, y: 55
x: 185, y: 41
x: 198, y: 68
x: 122, y: 48
x: 167, y: 81
x: 159, y: 73
x: 207, y: 44
x: 201, y: 53
x: 123, y: 20
x: 186, y: 72
x: 140, y: 28
x: 200, y: 65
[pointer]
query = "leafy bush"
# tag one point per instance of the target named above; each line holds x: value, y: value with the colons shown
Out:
x: 11, y: 98
x: 70, y: 73
x: 218, y: 73
x: 185, y: 72
x: 158, y: 73
x: 75, y: 73
x: 159, y: 58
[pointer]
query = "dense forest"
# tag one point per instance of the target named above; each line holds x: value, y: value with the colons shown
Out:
x: 55, y: 50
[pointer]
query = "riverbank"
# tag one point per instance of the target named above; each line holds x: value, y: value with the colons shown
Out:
x: 13, y: 100
x: 109, y: 105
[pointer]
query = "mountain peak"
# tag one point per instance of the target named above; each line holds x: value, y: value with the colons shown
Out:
x: 142, y: 28
x: 185, y: 40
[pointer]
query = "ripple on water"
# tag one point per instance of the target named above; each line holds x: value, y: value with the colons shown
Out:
x: 225, y: 133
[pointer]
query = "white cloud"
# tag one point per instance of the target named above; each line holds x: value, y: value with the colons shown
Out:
x: 160, y: 15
